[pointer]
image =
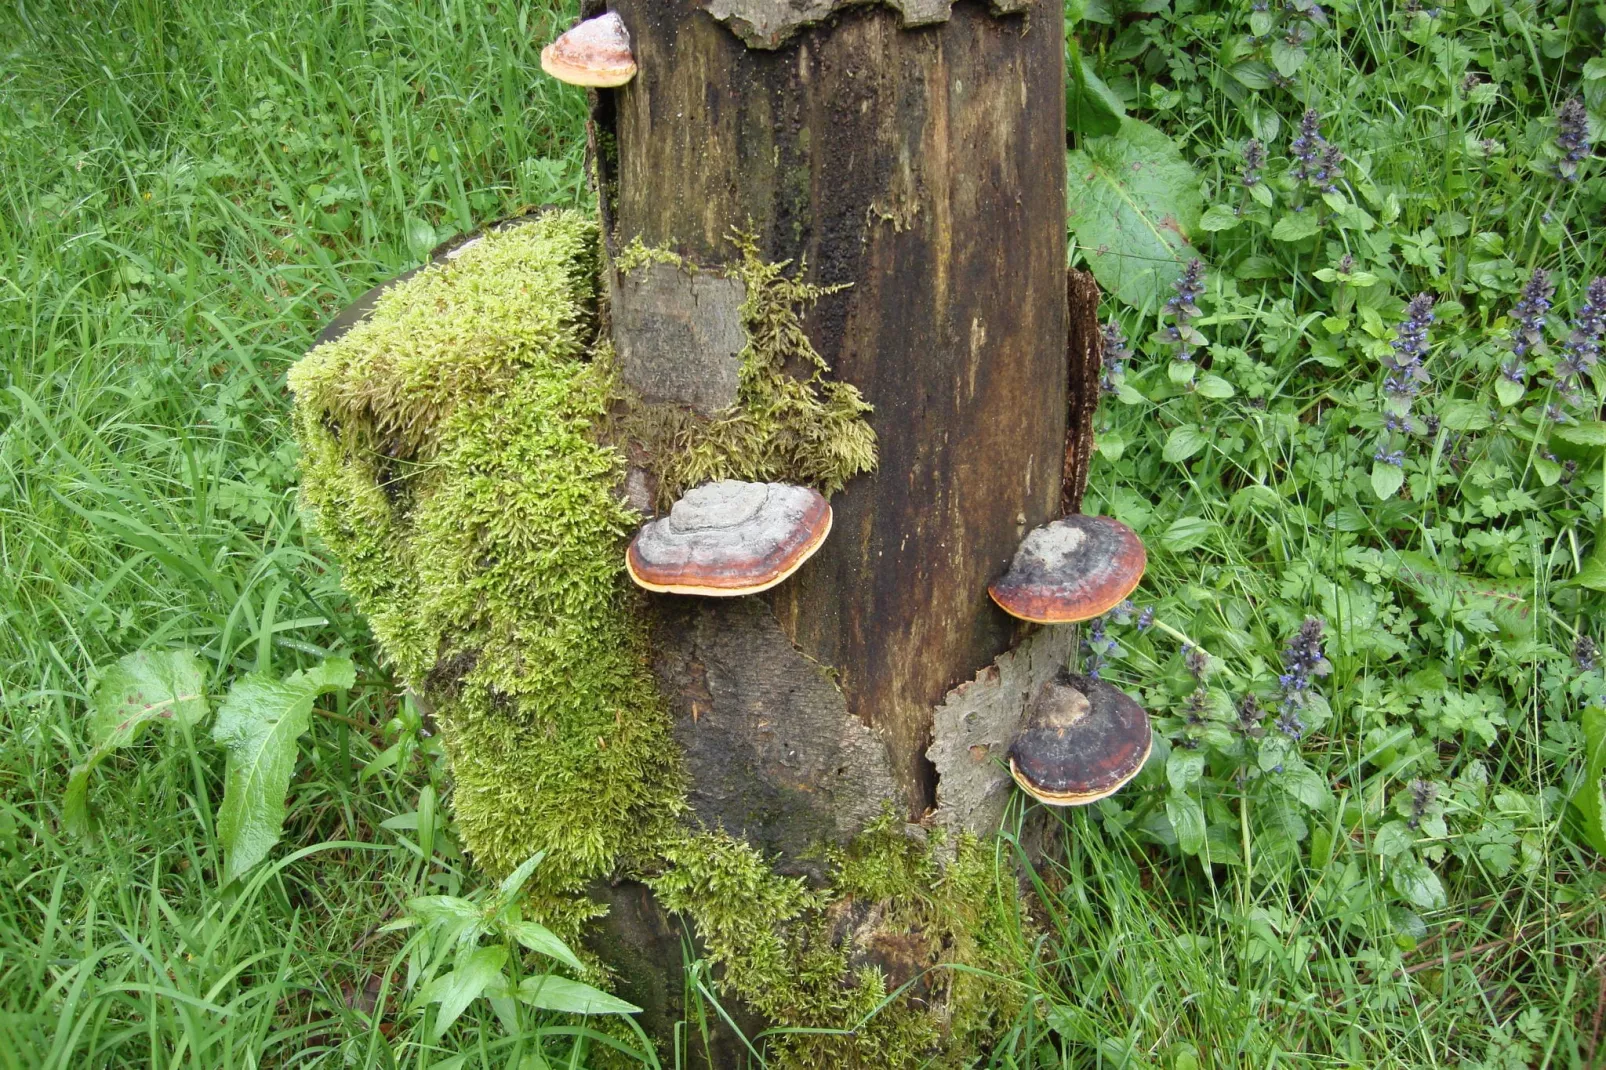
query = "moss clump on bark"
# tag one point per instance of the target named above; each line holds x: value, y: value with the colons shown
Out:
x: 789, y: 423
x: 819, y: 958
x: 451, y: 463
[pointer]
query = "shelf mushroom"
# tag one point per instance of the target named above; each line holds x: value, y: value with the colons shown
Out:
x: 729, y: 538
x: 1073, y: 569
x: 594, y: 53
x: 1083, y: 740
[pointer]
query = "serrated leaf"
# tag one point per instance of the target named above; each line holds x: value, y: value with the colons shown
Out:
x: 1133, y: 203
x: 1262, y: 195
x: 144, y: 688
x: 258, y: 723
x: 1590, y: 799
x: 1187, y: 821
x: 1386, y: 479
x: 1296, y: 226
x: 1185, y: 533
x: 1419, y: 885
x: 539, y: 938
x: 1183, y: 442
x: 474, y: 973
x: 1392, y: 840
x: 571, y: 997
x: 1215, y: 387
x: 1219, y: 217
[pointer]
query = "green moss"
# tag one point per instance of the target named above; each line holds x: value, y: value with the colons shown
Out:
x: 451, y: 462
x: 789, y: 421
x: 807, y: 958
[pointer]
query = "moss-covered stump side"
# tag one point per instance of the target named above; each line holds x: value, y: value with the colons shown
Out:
x: 459, y: 461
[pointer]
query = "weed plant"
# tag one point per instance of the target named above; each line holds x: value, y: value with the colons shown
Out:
x: 1355, y: 847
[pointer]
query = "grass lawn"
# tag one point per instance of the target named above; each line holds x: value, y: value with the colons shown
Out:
x: 1368, y: 845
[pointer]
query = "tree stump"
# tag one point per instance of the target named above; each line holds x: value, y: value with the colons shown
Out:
x: 912, y: 154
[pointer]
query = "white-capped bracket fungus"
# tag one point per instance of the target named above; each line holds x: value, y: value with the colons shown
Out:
x: 1083, y: 740
x: 1073, y: 569
x: 730, y: 538
x: 593, y: 53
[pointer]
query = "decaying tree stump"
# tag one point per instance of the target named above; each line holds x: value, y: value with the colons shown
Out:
x: 911, y: 153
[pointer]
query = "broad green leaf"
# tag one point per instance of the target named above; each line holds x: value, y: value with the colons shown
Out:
x: 1508, y: 392
x: 513, y: 882
x: 259, y: 722
x: 143, y: 688
x: 1091, y: 110
x: 538, y: 937
x: 1183, y: 442
x: 1296, y: 226
x: 1134, y: 201
x: 1418, y: 884
x: 1183, y: 767
x: 571, y: 997
x: 1219, y: 217
x: 1185, y: 533
x: 1592, y: 574
x: 1393, y: 839
x: 1589, y: 433
x: 1386, y: 479
x: 1252, y: 74
x: 1286, y: 58
x: 1187, y: 820
x: 1215, y: 387
x: 1305, y: 784
x: 474, y: 973
x: 1590, y: 799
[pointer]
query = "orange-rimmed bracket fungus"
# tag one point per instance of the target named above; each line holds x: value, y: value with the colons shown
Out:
x: 730, y: 538
x: 1072, y: 569
x: 594, y: 53
x: 1083, y: 740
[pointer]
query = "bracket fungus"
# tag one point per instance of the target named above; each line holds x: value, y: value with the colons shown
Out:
x: 1073, y: 569
x: 1083, y: 740
x: 730, y: 538
x: 593, y: 53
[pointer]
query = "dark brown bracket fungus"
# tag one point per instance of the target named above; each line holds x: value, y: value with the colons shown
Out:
x: 1073, y: 569
x: 1083, y: 740
x: 730, y: 538
x: 593, y: 53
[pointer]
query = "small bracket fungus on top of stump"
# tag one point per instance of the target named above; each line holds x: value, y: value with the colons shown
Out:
x: 730, y: 538
x: 594, y: 53
x: 1083, y: 740
x: 1073, y: 569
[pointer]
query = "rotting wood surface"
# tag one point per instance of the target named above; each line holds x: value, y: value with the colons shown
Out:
x: 925, y: 167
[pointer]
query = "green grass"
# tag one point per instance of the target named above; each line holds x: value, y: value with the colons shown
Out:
x: 188, y: 191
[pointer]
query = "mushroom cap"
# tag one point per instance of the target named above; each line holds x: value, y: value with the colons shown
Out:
x: 595, y: 52
x: 1075, y: 568
x: 1082, y: 741
x: 730, y: 538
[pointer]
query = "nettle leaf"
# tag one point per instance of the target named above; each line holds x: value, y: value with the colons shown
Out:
x: 1134, y: 201
x: 1187, y: 821
x: 1296, y: 226
x: 259, y: 722
x: 148, y: 687
x: 1590, y: 800
x: 571, y: 997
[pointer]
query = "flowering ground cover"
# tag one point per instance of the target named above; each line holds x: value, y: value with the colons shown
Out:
x: 1352, y: 330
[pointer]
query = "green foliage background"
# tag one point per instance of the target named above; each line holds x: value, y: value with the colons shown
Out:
x: 189, y: 191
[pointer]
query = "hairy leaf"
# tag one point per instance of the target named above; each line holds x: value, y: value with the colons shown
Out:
x: 258, y: 722
x: 1134, y: 202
